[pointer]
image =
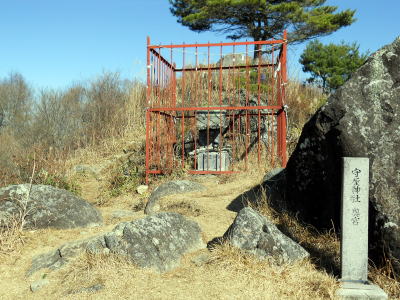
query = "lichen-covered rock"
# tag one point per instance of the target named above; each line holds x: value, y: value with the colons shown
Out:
x: 170, y: 188
x: 157, y: 242
x: 57, y: 258
x: 255, y: 234
x: 44, y: 206
x: 362, y: 119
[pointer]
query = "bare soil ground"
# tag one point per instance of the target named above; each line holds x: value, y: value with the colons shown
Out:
x: 224, y: 273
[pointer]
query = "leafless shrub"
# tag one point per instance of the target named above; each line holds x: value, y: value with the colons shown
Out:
x: 11, y: 229
x: 15, y: 104
x: 303, y: 101
x: 60, y: 121
x: 106, y: 99
x: 57, y: 119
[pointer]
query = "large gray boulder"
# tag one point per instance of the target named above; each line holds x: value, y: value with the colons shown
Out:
x: 254, y: 233
x: 170, y: 188
x: 362, y: 119
x: 42, y: 206
x: 156, y: 242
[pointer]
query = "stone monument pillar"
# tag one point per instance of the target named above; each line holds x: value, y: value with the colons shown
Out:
x: 354, y: 232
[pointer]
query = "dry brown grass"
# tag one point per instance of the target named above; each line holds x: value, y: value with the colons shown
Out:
x: 12, y: 238
x: 228, y: 274
x: 385, y: 278
x: 302, y: 101
x: 184, y: 207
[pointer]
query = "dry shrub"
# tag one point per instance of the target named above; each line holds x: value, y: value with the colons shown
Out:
x: 126, y: 173
x: 12, y: 237
x: 9, y: 149
x: 303, y: 101
x: 15, y: 105
x: 386, y: 279
x: 299, y: 280
x: 59, y: 122
x: 253, y: 168
x: 140, y: 203
x: 88, y: 269
x: 11, y: 228
x: 50, y: 169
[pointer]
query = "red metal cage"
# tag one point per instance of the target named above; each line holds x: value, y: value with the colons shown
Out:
x: 209, y: 106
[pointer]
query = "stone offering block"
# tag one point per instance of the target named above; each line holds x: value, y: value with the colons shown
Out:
x: 213, y: 161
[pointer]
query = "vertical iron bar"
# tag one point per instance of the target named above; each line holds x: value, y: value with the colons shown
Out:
x: 197, y: 104
x: 247, y: 104
x: 147, y: 146
x: 259, y: 103
x: 158, y: 79
x: 284, y: 81
x: 273, y: 76
x: 220, y: 112
x: 209, y: 104
x: 148, y: 91
x: 183, y: 113
x: 171, y: 121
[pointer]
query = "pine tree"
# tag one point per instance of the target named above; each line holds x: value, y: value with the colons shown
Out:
x: 262, y: 20
x: 331, y: 64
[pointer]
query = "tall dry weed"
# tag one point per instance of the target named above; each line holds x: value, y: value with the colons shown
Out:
x: 303, y: 101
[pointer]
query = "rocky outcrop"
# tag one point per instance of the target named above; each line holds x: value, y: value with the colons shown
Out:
x: 362, y: 119
x: 59, y: 257
x: 254, y: 233
x: 157, y: 242
x: 42, y: 206
x: 170, y: 188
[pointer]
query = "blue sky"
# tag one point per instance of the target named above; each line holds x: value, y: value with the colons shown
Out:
x: 54, y: 43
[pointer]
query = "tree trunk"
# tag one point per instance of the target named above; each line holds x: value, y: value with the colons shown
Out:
x: 257, y: 49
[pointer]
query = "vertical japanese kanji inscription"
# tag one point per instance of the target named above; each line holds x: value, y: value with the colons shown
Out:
x: 354, y: 242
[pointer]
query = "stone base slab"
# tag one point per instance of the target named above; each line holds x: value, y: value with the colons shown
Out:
x: 360, y: 291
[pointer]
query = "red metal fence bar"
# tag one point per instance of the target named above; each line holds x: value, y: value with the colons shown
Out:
x: 271, y: 42
x: 221, y: 67
x: 269, y: 107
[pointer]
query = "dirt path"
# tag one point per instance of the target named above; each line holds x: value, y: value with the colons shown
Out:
x: 208, y: 208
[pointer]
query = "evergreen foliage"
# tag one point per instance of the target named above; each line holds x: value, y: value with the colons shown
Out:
x: 261, y: 20
x: 331, y: 64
